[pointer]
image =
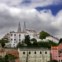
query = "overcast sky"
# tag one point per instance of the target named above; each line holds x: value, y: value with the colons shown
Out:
x: 39, y: 15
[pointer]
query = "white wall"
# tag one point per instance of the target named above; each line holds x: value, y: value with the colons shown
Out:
x: 34, y: 57
x: 52, y: 39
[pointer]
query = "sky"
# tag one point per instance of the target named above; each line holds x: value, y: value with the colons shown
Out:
x: 38, y: 14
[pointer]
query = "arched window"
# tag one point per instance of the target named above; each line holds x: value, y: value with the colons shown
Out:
x: 40, y: 52
x: 35, y: 52
x: 23, y: 52
x: 14, y: 34
x: 45, y: 52
x: 29, y: 52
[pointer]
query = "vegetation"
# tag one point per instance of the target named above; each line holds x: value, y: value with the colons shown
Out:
x: 8, y: 58
x: 27, y: 40
x: 3, y: 41
x: 2, y: 59
x: 33, y: 43
x: 60, y: 41
x: 43, y: 35
x: 20, y: 45
x: 47, y: 44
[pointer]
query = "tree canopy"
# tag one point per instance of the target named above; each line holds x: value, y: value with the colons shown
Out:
x: 3, y: 41
x: 27, y: 40
x: 43, y: 35
x: 47, y: 44
x: 60, y: 41
x: 8, y: 58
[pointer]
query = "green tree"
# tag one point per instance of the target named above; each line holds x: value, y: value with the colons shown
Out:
x: 2, y: 59
x: 43, y: 44
x: 19, y: 45
x: 35, y: 44
x: 27, y: 40
x: 10, y: 58
x: 3, y: 41
x: 47, y: 44
x: 60, y: 41
x: 34, y: 40
x: 43, y: 35
x: 51, y: 43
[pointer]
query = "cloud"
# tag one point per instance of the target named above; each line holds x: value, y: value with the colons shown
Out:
x: 43, y: 20
x: 30, y: 3
x: 11, y: 2
x: 39, y: 3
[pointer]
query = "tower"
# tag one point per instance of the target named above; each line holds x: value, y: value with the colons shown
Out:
x: 24, y: 27
x: 19, y: 28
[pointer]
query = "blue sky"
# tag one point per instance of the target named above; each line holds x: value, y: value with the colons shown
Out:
x: 54, y: 8
x: 39, y: 15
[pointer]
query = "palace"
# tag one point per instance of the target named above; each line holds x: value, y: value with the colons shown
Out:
x: 19, y: 36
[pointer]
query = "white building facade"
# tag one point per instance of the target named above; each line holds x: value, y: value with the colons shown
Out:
x: 34, y: 55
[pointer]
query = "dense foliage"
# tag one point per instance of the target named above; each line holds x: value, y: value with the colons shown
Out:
x: 43, y: 35
x: 47, y: 44
x: 3, y: 41
x: 33, y: 43
x: 60, y: 41
x: 27, y: 40
x: 8, y: 58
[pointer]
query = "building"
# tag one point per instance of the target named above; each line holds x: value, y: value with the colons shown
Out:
x: 19, y: 36
x: 54, y: 39
x: 56, y: 53
x: 34, y: 55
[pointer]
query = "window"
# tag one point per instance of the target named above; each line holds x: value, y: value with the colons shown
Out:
x: 14, y: 34
x: 23, y: 52
x: 14, y: 39
x: 59, y: 55
x: 11, y: 39
x: 45, y: 52
x: 19, y: 35
x: 35, y: 52
x: 11, y: 34
x: 40, y: 52
x: 60, y: 51
x: 29, y: 52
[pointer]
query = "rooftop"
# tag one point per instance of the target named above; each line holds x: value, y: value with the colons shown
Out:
x: 33, y: 49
